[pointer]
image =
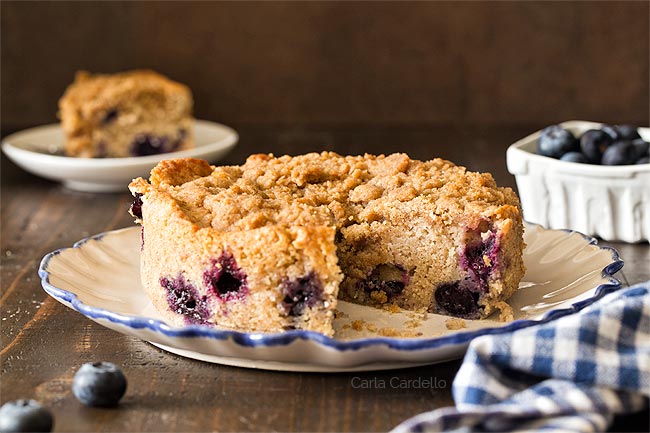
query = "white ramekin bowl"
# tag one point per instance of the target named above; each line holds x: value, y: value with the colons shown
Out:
x: 611, y: 202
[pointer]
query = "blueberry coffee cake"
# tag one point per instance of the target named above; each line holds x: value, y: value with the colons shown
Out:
x: 133, y: 113
x: 272, y: 244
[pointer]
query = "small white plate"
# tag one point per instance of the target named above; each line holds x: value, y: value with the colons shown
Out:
x: 100, y: 278
x: 38, y: 150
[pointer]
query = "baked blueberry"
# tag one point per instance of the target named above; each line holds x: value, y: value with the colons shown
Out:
x: 388, y: 278
x: 99, y: 384
x: 627, y: 132
x: 457, y: 300
x: 479, y: 259
x: 593, y: 144
x: 574, y: 157
x: 620, y: 153
x: 183, y: 298
x: 225, y: 278
x: 146, y: 144
x: 555, y: 141
x: 25, y: 416
x: 305, y: 291
x: 136, y: 206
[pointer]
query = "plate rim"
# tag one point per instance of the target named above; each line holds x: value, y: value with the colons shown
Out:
x: 258, y: 339
x: 230, y: 139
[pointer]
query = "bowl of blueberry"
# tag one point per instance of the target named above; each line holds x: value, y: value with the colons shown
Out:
x: 585, y: 176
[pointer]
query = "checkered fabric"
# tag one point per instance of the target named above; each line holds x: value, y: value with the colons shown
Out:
x: 572, y: 374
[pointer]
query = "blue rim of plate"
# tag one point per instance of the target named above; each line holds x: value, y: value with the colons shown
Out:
x: 283, y: 339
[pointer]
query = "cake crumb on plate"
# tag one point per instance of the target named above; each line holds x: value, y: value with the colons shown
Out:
x: 454, y: 323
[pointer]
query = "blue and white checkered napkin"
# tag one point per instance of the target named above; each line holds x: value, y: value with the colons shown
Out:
x: 572, y: 374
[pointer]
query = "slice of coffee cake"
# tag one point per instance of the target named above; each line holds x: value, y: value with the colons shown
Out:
x: 135, y: 113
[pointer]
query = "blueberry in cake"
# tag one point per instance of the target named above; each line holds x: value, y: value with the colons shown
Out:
x: 135, y: 113
x: 272, y: 244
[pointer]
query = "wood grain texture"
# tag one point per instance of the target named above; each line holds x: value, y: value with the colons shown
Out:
x: 346, y: 63
x: 44, y: 343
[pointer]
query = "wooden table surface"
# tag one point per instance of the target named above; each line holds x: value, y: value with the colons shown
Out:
x: 44, y: 343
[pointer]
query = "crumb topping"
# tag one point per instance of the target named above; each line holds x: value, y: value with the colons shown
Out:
x: 323, y: 189
x: 93, y: 97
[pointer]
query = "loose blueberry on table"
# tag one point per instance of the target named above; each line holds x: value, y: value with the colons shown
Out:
x: 99, y: 384
x: 25, y: 416
x: 609, y: 145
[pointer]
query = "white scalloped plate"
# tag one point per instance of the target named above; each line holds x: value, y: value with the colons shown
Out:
x: 38, y: 151
x: 99, y: 277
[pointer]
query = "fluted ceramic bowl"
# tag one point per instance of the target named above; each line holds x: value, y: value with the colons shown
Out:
x: 610, y: 202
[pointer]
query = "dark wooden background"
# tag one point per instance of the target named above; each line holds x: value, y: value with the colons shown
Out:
x: 343, y: 63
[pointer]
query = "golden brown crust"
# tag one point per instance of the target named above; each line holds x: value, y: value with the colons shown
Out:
x: 174, y: 172
x: 328, y: 189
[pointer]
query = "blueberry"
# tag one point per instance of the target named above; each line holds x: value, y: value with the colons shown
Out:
x: 457, y: 300
x: 25, y: 416
x: 627, y: 132
x: 555, y: 141
x: 611, y: 131
x: 146, y: 144
x: 183, y: 298
x: 305, y: 291
x: 225, y: 278
x: 136, y: 206
x: 593, y: 144
x: 643, y: 160
x: 473, y: 260
x: 619, y: 153
x: 641, y: 147
x: 386, y: 277
x: 99, y: 384
x: 574, y: 157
